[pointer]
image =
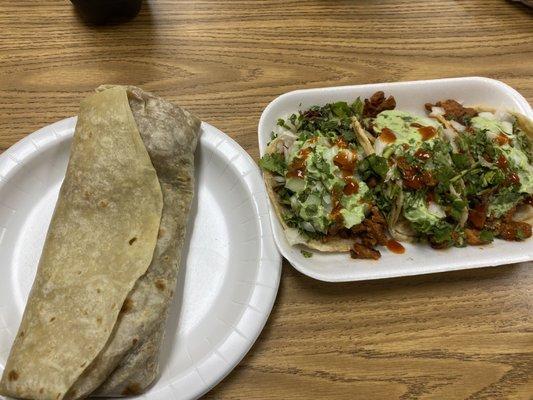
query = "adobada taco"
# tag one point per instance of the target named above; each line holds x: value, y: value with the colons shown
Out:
x: 310, y: 171
x: 495, y: 151
x: 417, y: 195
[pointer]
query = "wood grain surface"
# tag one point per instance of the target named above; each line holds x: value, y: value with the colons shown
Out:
x: 460, y: 335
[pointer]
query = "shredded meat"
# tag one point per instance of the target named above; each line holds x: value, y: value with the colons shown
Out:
x: 478, y: 215
x: 378, y: 103
x: 515, y: 230
x: 472, y: 237
x: 373, y: 230
x: 360, y: 251
x: 369, y: 233
x: 453, y: 110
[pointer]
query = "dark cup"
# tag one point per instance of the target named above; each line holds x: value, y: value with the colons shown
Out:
x: 106, y: 11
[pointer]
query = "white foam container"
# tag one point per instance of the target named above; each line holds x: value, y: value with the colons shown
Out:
x: 418, y: 258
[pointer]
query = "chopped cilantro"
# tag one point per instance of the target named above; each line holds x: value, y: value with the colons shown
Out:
x: 520, y: 234
x: 373, y: 165
x: 273, y: 163
x: 357, y: 108
x: 486, y: 236
x: 306, y: 254
x: 461, y: 161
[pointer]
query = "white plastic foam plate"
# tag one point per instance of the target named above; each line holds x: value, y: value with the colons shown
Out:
x: 230, y: 270
x: 418, y: 258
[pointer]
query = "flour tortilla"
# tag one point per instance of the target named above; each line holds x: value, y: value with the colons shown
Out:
x: 100, y: 241
x: 96, y: 314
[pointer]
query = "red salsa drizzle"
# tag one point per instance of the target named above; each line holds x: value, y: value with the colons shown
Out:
x: 513, y: 178
x: 502, y: 162
x: 340, y: 143
x: 335, y: 214
x: 351, y: 187
x: 395, y: 247
x: 502, y: 139
x: 427, y: 132
x: 387, y: 136
x: 413, y: 178
x: 345, y: 160
x: 422, y: 154
x: 297, y: 168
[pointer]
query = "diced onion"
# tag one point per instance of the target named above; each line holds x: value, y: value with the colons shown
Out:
x: 294, y: 202
x: 507, y: 127
x: 390, y: 174
x: 279, y: 179
x: 436, y: 210
x: 485, y: 163
x: 379, y: 146
x: 492, y: 135
x: 453, y: 191
x: 457, y: 126
x: 308, y: 227
x: 450, y: 135
x: 487, y: 115
x: 435, y: 111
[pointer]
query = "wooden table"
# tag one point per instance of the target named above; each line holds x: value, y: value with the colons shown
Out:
x: 448, y: 336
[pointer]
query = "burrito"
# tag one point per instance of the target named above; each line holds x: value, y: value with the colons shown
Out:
x: 96, y: 313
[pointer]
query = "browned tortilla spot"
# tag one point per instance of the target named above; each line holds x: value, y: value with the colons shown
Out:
x: 21, y: 334
x: 134, y: 341
x: 132, y: 389
x: 160, y: 284
x: 127, y: 305
x: 52, y: 319
x: 132, y: 240
x: 99, y: 320
x: 13, y: 375
x: 160, y: 233
x: 103, y: 203
x: 41, y: 390
x: 98, y: 290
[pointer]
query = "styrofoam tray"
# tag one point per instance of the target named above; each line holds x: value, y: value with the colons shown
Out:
x: 230, y: 270
x: 418, y: 258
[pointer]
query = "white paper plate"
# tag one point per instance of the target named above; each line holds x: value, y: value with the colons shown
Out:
x: 231, y: 272
x: 418, y: 258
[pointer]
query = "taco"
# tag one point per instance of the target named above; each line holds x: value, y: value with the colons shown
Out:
x: 493, y: 150
x: 418, y: 195
x: 311, y: 176
x: 460, y: 177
